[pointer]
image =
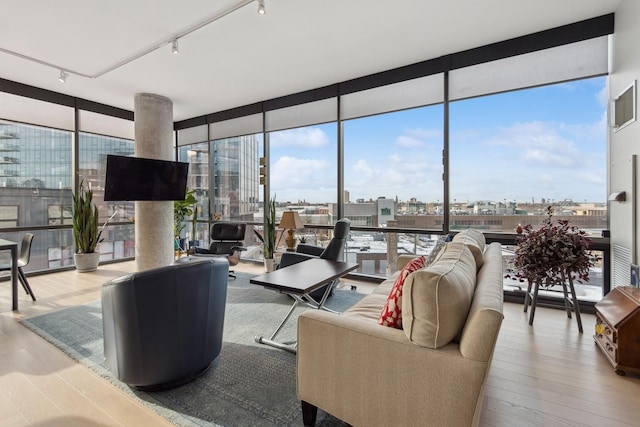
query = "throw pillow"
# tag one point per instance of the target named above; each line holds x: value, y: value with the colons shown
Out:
x: 391, y: 314
x: 437, y: 299
x: 440, y: 243
x: 475, y: 241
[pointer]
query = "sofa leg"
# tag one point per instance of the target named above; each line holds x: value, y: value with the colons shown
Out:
x: 309, y: 413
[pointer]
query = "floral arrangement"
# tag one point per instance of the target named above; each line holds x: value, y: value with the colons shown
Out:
x: 553, y: 253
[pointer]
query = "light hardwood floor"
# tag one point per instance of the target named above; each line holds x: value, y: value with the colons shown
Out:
x: 542, y: 375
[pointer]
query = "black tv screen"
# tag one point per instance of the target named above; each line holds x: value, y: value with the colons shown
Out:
x: 137, y: 178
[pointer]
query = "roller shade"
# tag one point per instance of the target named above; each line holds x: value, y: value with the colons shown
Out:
x: 398, y: 96
x: 573, y: 61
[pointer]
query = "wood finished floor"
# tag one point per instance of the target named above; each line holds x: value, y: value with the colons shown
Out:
x: 544, y: 375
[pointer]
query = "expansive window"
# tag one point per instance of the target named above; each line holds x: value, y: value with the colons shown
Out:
x: 393, y: 178
x: 513, y: 154
x: 35, y: 176
x: 197, y: 156
x: 376, y: 143
x: 235, y: 180
x: 118, y: 240
x: 303, y: 166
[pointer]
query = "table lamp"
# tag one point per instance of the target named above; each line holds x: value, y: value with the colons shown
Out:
x: 291, y: 221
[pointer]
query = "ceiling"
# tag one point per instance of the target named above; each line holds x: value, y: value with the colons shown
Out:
x: 243, y: 57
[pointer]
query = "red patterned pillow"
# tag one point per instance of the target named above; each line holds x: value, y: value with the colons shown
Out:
x: 391, y: 312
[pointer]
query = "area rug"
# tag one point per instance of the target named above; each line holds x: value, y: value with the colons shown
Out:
x: 249, y: 384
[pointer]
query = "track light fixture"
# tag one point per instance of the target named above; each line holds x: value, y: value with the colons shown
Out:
x: 65, y: 71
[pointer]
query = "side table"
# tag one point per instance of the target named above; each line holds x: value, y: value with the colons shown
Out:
x: 570, y: 301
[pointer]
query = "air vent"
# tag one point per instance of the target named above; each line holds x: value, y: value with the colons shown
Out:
x: 621, y: 266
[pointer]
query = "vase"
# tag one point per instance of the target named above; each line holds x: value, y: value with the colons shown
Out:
x: 86, y: 262
x: 269, y: 265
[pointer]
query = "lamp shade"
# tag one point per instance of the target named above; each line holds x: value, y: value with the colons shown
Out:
x: 291, y: 221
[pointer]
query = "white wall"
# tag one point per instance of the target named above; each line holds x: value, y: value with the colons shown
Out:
x: 625, y: 68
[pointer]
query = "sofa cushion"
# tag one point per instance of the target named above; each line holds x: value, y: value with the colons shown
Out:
x: 476, y: 243
x: 436, y: 299
x: 391, y: 314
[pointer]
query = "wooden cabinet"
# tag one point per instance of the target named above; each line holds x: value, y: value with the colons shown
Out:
x: 618, y: 328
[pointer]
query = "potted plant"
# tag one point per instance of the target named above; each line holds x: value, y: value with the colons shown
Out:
x: 181, y: 210
x: 268, y: 237
x: 553, y: 254
x: 85, y: 230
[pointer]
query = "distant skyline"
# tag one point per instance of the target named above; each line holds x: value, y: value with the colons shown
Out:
x: 547, y: 142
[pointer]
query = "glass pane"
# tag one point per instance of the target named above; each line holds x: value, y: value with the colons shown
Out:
x: 197, y: 155
x: 516, y: 153
x: 235, y: 178
x: 35, y: 174
x: 303, y: 167
x: 49, y: 249
x: 118, y: 240
x: 393, y: 178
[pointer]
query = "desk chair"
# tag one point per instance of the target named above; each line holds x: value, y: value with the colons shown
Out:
x: 23, y: 260
x: 226, y: 241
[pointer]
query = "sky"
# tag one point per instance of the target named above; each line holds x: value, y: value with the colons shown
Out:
x: 547, y: 142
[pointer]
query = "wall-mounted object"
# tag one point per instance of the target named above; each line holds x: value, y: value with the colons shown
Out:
x: 623, y: 109
x: 620, y: 196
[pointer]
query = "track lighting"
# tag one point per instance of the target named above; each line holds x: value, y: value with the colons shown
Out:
x: 238, y: 4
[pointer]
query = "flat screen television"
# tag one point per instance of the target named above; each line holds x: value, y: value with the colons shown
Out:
x: 137, y: 178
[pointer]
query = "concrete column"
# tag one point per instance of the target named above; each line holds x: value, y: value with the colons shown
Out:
x: 154, y: 220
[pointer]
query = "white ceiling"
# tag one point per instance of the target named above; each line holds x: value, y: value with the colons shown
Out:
x: 244, y: 57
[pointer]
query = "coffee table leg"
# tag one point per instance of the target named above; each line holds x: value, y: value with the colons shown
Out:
x: 297, y: 299
x: 271, y: 341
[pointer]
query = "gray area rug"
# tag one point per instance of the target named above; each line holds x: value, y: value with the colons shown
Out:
x: 249, y: 384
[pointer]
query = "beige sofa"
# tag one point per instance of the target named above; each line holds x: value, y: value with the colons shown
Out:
x: 367, y: 374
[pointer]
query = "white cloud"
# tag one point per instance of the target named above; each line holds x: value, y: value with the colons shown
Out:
x: 603, y: 97
x: 363, y: 167
x: 404, y: 141
x: 394, y: 176
x: 417, y: 137
x: 307, y: 137
x: 593, y: 177
x: 290, y: 172
x: 540, y: 143
x: 423, y: 133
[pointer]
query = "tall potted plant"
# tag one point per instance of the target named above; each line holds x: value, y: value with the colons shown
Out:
x: 85, y: 230
x: 181, y: 210
x: 269, y: 235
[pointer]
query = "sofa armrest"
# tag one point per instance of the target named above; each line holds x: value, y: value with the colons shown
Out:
x: 363, y: 373
x: 404, y: 260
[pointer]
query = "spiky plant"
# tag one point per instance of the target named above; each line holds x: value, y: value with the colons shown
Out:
x: 268, y: 238
x: 85, y: 221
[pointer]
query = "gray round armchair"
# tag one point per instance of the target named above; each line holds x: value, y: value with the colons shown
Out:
x: 163, y: 326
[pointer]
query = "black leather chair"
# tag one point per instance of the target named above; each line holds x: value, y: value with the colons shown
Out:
x: 226, y: 241
x: 163, y: 326
x: 333, y: 251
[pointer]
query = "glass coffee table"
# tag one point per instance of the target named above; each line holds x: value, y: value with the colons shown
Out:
x: 298, y: 281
